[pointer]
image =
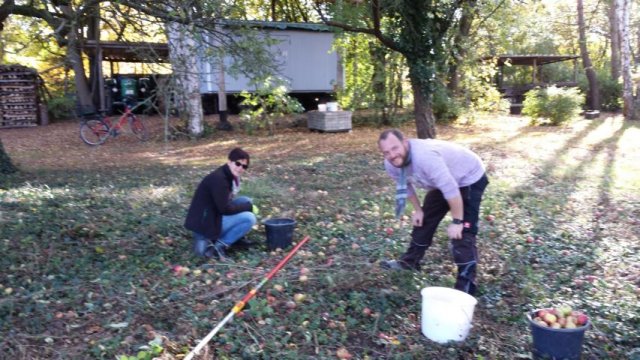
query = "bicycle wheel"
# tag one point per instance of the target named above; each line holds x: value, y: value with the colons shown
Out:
x: 136, y: 124
x: 94, y: 131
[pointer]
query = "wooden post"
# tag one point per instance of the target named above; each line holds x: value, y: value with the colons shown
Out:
x: 100, y: 76
x: 224, y: 123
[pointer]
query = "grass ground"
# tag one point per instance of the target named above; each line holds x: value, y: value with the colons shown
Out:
x: 90, y: 236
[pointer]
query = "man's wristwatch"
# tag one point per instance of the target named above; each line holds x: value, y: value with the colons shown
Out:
x: 456, y: 221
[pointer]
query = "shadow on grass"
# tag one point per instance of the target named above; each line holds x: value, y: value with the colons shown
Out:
x: 566, y: 222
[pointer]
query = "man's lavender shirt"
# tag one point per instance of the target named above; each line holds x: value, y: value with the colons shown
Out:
x: 438, y: 164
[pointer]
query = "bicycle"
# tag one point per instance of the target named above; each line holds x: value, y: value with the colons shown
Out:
x: 97, y: 127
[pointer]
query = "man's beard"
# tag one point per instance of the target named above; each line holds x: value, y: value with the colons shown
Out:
x: 406, y: 160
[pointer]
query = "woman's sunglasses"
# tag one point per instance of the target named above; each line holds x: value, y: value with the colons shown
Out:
x: 238, y: 163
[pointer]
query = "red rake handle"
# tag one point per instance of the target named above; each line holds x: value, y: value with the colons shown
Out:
x: 286, y: 259
x: 238, y: 307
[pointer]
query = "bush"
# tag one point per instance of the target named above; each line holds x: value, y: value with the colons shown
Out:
x: 260, y: 109
x: 610, y: 90
x: 610, y: 93
x: 396, y: 116
x: 446, y: 109
x: 553, y: 105
x: 62, y: 108
x: 480, y: 92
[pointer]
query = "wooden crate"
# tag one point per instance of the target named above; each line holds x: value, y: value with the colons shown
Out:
x: 329, y: 121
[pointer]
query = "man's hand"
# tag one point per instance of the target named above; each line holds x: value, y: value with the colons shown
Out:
x: 417, y: 217
x: 454, y: 231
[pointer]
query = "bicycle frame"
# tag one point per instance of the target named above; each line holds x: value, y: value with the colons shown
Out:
x: 96, y: 130
x: 121, y: 121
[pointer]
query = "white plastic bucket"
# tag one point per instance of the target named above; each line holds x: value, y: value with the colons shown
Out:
x: 332, y: 106
x: 322, y: 107
x: 446, y: 314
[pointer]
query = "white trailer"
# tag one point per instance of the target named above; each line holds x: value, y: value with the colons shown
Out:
x: 304, y: 56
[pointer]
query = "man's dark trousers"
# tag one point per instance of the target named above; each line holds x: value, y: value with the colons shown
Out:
x: 464, y: 251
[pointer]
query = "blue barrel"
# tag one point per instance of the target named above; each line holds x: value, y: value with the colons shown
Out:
x: 279, y: 232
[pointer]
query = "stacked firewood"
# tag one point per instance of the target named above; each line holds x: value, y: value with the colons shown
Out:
x: 18, y: 96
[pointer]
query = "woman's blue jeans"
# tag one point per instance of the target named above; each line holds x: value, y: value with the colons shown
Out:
x: 234, y: 227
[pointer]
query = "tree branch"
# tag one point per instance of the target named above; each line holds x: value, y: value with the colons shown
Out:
x: 375, y: 31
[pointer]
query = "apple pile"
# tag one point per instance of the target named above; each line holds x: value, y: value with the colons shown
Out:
x: 561, y: 317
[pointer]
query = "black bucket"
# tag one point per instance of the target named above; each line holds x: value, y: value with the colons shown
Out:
x: 550, y: 343
x: 279, y: 232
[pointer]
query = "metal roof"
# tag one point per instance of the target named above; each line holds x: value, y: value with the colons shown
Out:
x: 134, y: 52
x: 277, y: 25
x: 146, y: 52
x: 529, y: 59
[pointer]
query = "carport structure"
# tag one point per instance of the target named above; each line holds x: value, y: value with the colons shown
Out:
x: 115, y: 52
x: 515, y: 93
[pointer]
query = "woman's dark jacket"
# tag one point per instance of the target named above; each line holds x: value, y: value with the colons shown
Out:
x: 211, y: 201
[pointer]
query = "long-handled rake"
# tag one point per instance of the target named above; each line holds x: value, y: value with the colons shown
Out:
x: 240, y: 304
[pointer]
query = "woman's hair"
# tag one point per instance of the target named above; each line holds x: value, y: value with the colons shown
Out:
x: 239, y: 154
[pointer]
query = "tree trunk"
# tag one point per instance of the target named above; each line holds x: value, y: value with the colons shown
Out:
x: 614, y: 33
x: 84, y: 96
x: 425, y: 122
x: 593, y: 95
x: 637, y: 54
x: 623, y: 8
x: 459, y: 47
x: 273, y: 10
x: 378, y: 80
x: 183, y: 55
x: 83, y: 92
x: 6, y: 166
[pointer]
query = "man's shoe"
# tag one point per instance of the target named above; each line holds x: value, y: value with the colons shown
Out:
x: 394, y: 265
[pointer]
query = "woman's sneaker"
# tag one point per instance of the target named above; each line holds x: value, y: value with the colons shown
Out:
x: 219, y: 250
x: 394, y: 265
x: 242, y: 244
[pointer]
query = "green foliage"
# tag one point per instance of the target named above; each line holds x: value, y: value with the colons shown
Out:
x: 358, y: 70
x: 267, y: 103
x: 610, y: 93
x: 486, y: 98
x: 416, y: 29
x: 446, y: 109
x: 610, y: 90
x: 480, y: 92
x: 374, y: 77
x: 62, y: 107
x: 149, y: 354
x: 556, y: 105
x: 372, y: 118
